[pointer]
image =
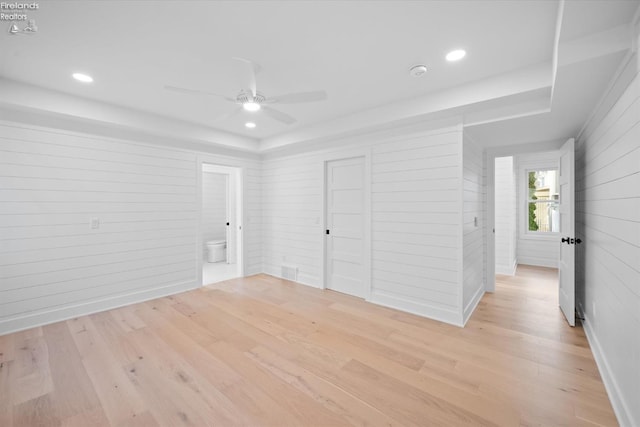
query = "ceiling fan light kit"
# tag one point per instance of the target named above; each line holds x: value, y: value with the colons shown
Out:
x: 251, y: 106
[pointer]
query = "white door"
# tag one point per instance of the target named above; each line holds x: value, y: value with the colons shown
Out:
x: 345, y: 218
x: 567, y: 231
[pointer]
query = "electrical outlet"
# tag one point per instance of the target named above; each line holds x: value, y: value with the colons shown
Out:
x: 593, y: 308
x: 95, y: 223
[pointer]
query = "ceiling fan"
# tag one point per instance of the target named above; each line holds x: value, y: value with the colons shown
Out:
x: 251, y: 100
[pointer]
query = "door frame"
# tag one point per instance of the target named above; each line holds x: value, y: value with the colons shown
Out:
x: 366, y: 265
x: 491, y: 154
x: 241, y: 251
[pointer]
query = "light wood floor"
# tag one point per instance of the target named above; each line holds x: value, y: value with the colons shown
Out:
x: 265, y: 352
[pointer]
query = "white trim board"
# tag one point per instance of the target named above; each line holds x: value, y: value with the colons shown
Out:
x: 452, y: 317
x: 69, y: 312
x: 471, y: 306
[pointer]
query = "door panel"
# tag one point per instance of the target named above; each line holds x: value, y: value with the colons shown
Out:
x: 567, y: 231
x: 345, y: 222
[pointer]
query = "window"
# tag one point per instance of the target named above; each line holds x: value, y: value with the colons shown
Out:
x: 543, y: 201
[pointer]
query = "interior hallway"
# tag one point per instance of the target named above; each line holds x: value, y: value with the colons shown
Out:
x: 265, y: 351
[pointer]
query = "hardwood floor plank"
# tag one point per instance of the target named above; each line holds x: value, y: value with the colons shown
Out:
x: 93, y: 418
x: 31, y: 376
x: 127, y: 318
x: 118, y: 396
x: 6, y: 402
x: 7, y: 350
x: 37, y: 412
x: 72, y: 392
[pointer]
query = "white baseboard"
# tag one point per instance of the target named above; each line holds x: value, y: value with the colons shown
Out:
x: 303, y: 279
x: 538, y: 262
x: 507, y: 270
x: 471, y: 307
x: 451, y: 317
x: 620, y: 407
x: 69, y: 312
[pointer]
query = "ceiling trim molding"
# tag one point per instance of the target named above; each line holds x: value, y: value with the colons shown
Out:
x: 604, y: 43
x: 23, y: 98
x: 556, y: 46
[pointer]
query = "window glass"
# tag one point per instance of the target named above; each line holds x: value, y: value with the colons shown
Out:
x: 543, y: 201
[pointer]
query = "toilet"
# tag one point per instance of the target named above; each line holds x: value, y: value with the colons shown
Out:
x: 216, y: 250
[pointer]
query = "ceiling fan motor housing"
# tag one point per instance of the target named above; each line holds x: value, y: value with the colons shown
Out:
x: 245, y: 96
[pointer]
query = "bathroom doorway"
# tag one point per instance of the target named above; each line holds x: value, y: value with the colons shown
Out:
x: 221, y: 223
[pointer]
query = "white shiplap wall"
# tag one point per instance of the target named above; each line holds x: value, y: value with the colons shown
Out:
x: 291, y: 216
x: 52, y: 184
x: 416, y: 236
x: 53, y: 265
x: 214, y: 206
x: 608, y: 222
x: 473, y: 226
x: 252, y: 227
x: 505, y: 216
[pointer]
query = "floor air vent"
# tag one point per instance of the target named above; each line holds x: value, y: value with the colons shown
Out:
x: 289, y: 272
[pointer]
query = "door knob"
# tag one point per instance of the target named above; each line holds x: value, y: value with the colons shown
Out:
x: 566, y: 239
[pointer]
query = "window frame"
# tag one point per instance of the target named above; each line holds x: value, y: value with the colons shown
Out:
x: 525, y: 200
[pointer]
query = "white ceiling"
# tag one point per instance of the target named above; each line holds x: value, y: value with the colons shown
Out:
x: 359, y: 52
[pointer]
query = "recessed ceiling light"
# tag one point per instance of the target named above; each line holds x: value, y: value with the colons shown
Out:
x: 250, y: 125
x: 251, y: 106
x: 82, y: 78
x: 417, y: 70
x: 456, y: 55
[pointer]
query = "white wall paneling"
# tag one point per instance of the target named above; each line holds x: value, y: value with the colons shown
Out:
x: 505, y: 216
x: 608, y: 222
x: 473, y: 224
x: 53, y: 184
x: 416, y: 224
x: 145, y: 201
x: 416, y: 221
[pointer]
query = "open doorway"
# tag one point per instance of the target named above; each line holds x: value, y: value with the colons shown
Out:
x: 221, y: 223
x: 531, y: 217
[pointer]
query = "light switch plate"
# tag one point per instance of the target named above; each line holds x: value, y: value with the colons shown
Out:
x: 95, y: 223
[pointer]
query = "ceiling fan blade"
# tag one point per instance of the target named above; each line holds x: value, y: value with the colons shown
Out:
x: 252, y: 70
x: 278, y: 115
x: 196, y: 92
x: 228, y: 116
x: 300, y: 97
